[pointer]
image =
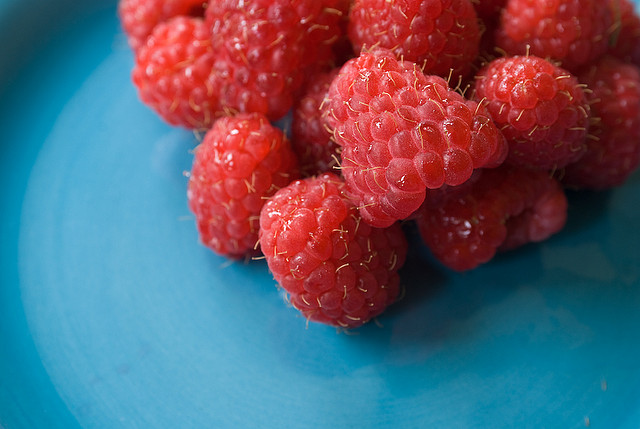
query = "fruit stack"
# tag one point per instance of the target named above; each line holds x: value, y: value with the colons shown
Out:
x: 469, y: 118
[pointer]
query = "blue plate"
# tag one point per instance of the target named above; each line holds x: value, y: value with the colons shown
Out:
x: 113, y: 315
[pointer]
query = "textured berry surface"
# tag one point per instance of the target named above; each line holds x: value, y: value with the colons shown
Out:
x: 336, y: 269
x: 311, y: 138
x: 172, y: 73
x: 614, y: 151
x: 625, y: 40
x: 264, y: 47
x: 541, y: 109
x: 439, y: 35
x: 402, y: 132
x: 574, y: 32
x: 241, y: 161
x: 504, y: 208
x: 140, y: 17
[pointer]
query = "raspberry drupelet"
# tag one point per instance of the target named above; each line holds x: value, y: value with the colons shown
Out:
x: 336, y: 269
x: 241, y: 161
x: 402, y: 132
x: 442, y: 36
x: 541, y: 109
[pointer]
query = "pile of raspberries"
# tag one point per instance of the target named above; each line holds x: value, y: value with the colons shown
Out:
x: 328, y: 125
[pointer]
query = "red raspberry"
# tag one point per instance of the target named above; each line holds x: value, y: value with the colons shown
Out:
x: 311, y: 137
x: 173, y: 73
x: 439, y: 35
x: 505, y: 208
x: 402, y: 132
x: 241, y: 161
x: 614, y: 152
x: 541, y: 109
x: 264, y: 47
x: 140, y: 17
x: 336, y: 269
x: 625, y: 39
x: 574, y: 32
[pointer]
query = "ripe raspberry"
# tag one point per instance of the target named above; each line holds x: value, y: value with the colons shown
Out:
x: 505, y: 208
x: 140, y: 17
x: 264, y: 47
x: 574, y: 32
x: 541, y: 109
x: 311, y: 138
x: 241, y: 161
x: 173, y: 76
x: 402, y: 132
x: 625, y: 39
x: 439, y: 35
x: 336, y: 269
x: 614, y: 152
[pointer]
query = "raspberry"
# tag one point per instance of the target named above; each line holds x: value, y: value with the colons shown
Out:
x: 574, y: 32
x: 172, y: 73
x: 504, y: 208
x: 264, y: 47
x: 614, y: 152
x: 402, y: 132
x: 336, y: 269
x: 241, y: 161
x: 625, y: 40
x: 541, y: 109
x: 442, y: 36
x: 140, y: 17
x: 311, y: 138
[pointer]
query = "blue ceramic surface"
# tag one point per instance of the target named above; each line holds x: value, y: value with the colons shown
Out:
x: 112, y: 315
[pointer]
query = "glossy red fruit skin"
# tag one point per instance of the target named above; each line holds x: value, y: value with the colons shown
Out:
x: 335, y: 268
x: 403, y: 132
x: 541, y: 109
x: 241, y: 162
